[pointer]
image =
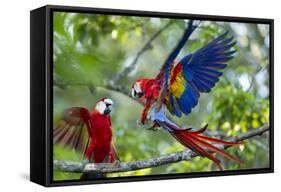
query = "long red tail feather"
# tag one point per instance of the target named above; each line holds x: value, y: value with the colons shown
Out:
x: 201, y: 144
x: 215, y: 149
x: 186, y: 141
x: 217, y: 140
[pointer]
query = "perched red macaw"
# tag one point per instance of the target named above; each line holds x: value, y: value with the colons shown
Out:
x: 89, y: 132
x: 178, y: 86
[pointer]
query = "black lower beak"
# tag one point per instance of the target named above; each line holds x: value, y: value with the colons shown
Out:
x: 140, y: 95
x: 107, y: 111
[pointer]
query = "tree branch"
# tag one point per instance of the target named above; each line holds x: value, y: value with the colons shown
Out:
x: 110, y: 85
x: 68, y: 166
x: 118, y: 88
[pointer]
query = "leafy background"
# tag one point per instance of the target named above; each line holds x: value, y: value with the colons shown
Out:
x: 91, y: 50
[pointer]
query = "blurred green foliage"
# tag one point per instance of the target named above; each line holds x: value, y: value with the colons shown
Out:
x: 93, y: 49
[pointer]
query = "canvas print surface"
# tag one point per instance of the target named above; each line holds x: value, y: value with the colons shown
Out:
x: 139, y: 96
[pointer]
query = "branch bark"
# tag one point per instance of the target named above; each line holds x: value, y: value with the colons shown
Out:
x: 110, y: 85
x: 68, y: 166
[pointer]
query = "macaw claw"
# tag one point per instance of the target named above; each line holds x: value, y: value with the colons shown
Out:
x: 147, y: 127
x: 117, y: 163
x: 154, y: 128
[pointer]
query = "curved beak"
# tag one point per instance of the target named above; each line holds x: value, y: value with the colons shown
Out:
x: 136, y: 94
x: 107, y: 109
x: 139, y: 95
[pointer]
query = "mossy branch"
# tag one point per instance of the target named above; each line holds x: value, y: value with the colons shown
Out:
x: 68, y: 166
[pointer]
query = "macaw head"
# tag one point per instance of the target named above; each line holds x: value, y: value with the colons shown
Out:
x: 137, y: 89
x: 104, y: 106
x: 140, y: 87
x: 143, y: 87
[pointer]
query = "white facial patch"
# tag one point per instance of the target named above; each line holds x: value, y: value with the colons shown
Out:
x: 133, y: 92
x: 137, y: 87
x: 100, y: 107
x: 108, y: 101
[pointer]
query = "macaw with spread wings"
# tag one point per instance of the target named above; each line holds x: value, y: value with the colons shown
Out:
x: 178, y: 87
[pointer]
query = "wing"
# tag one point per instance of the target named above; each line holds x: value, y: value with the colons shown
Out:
x: 170, y: 59
x: 163, y: 75
x: 74, y: 130
x: 197, y: 73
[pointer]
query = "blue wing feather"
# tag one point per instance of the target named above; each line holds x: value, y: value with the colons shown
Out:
x: 184, y: 103
x: 193, y: 98
x: 201, y: 85
x: 209, y: 77
x: 188, y: 100
x: 164, y: 74
x: 174, y: 107
x: 202, y: 70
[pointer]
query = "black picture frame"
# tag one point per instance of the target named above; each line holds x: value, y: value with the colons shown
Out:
x: 41, y: 145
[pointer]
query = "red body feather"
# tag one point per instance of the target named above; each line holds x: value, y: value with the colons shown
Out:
x: 150, y: 88
x: 100, y: 148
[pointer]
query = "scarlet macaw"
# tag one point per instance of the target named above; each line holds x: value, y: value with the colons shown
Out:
x: 178, y: 86
x: 88, y: 132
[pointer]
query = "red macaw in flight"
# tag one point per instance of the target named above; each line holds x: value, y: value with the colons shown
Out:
x: 88, y: 132
x: 178, y: 87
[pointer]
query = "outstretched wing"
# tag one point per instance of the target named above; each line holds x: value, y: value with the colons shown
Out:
x: 170, y: 59
x: 74, y: 130
x: 197, y: 73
